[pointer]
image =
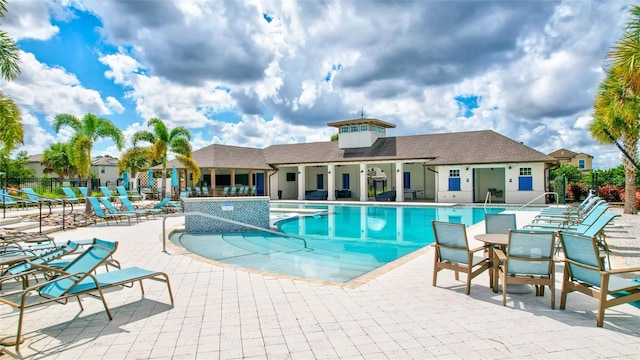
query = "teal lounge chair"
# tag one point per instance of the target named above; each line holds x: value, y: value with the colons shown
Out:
x: 35, y: 198
x: 70, y: 195
x: 83, y: 191
x: 106, y: 192
x: 205, y: 191
x: 125, y: 214
x: 233, y: 191
x: 49, y: 257
x: 78, y: 279
x: 99, y: 212
x: 131, y: 195
x: 8, y: 201
x: 225, y: 191
x: 253, y: 191
x: 167, y: 205
x: 129, y: 207
x: 198, y: 191
x: 584, y: 272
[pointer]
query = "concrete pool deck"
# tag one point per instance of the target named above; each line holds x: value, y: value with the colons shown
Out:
x: 229, y: 313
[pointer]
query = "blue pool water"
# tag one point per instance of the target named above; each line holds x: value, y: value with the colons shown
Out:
x: 342, y: 242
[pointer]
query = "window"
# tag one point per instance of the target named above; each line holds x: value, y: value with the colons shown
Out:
x: 344, y: 129
x: 581, y: 164
x: 102, y: 169
x: 291, y: 176
x: 454, y: 180
x: 320, y: 181
x: 354, y: 128
x: 525, y: 181
x: 345, y: 181
x: 364, y: 127
x: 407, y: 180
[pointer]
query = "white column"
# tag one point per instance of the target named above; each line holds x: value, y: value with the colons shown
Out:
x: 301, y: 182
x: 363, y: 183
x: 331, y: 181
x: 399, y: 181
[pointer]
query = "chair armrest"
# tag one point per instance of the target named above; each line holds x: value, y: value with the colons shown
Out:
x: 483, y: 247
x: 624, y: 271
x: 500, y: 254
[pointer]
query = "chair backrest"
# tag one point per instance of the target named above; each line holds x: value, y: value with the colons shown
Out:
x: 198, y: 191
x: 122, y: 191
x: 499, y: 223
x: 594, y: 214
x: 31, y: 194
x: 205, y: 191
x: 225, y: 191
x: 233, y: 190
x: 83, y: 190
x: 84, y: 264
x: 6, y: 198
x: 530, y: 252
x: 126, y: 203
x: 162, y: 203
x: 253, y: 189
x: 105, y: 191
x: 451, y: 241
x: 108, y: 205
x: 582, y: 258
x: 95, y: 204
x: 600, y: 224
x: 45, y: 257
x: 68, y: 192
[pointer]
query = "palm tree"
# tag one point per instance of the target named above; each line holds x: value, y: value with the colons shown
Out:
x: 162, y: 140
x: 57, y: 159
x: 87, y: 131
x: 9, y: 57
x: 11, y: 128
x: 135, y: 159
x: 615, y: 117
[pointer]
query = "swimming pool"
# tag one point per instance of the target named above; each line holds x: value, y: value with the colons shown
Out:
x: 342, y: 242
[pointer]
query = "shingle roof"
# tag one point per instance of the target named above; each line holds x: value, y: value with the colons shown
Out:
x: 106, y: 161
x: 473, y: 147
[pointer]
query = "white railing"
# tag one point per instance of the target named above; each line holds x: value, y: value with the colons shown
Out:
x: 538, y: 197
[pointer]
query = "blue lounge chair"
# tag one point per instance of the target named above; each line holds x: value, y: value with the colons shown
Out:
x: 131, y: 195
x: 225, y: 191
x: 233, y: 191
x: 99, y: 212
x: 386, y: 196
x: 128, y: 206
x: 253, y: 191
x: 198, y: 191
x: 205, y: 191
x: 70, y: 195
x: 125, y: 214
x: 35, y: 198
x: 78, y: 278
x: 584, y: 272
x: 106, y: 192
x: 7, y: 200
x: 167, y: 205
x: 83, y: 191
x: 588, y: 220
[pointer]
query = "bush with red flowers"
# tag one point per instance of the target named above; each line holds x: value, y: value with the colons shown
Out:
x: 610, y: 193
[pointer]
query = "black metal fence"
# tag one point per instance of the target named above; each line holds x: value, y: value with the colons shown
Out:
x: 48, y: 184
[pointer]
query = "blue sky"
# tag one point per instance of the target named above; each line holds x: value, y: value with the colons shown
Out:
x: 257, y: 73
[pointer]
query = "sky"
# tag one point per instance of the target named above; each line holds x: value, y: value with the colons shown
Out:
x: 259, y: 72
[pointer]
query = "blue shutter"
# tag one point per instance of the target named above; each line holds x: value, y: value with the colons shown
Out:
x: 345, y: 181
x: 320, y: 181
x: 407, y: 180
x: 454, y: 184
x: 525, y: 183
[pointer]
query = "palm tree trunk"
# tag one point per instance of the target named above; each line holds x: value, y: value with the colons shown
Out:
x: 630, y: 144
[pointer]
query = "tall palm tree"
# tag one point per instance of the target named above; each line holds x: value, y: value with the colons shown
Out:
x: 57, y: 159
x: 11, y: 128
x: 162, y: 141
x: 135, y: 159
x: 86, y: 132
x: 9, y: 56
x: 615, y: 116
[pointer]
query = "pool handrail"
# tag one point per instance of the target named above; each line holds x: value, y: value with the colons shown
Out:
x: 538, y: 197
x: 198, y: 213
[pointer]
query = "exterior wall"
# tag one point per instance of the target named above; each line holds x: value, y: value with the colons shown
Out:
x: 465, y: 195
x: 358, y: 139
x: 252, y: 211
x: 354, y: 179
x: 587, y: 162
x: 38, y: 170
x: 279, y: 183
x: 514, y: 196
x: 110, y: 173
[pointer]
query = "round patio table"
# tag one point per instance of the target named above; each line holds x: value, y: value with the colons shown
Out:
x: 501, y: 241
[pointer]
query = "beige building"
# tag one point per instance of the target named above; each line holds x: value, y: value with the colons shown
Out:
x: 581, y: 160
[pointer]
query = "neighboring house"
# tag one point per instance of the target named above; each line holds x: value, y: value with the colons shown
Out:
x: 581, y: 160
x: 106, y: 168
x: 34, y: 163
x: 460, y: 167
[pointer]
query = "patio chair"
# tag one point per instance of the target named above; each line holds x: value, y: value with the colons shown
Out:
x: 35, y: 198
x: 225, y: 191
x: 205, y: 191
x: 570, y: 218
x: 125, y: 214
x: 198, y: 191
x: 8, y: 201
x: 99, y: 212
x: 77, y: 279
x: 453, y: 253
x: 253, y: 191
x: 83, y: 190
x: 233, y: 191
x: 528, y: 259
x: 596, y: 231
x: 129, y: 207
x: 499, y: 223
x: 132, y: 195
x: 584, y: 272
x: 106, y: 192
x: 588, y: 220
x: 71, y: 195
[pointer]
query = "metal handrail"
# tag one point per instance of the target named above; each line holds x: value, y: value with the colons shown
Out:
x: 538, y: 197
x: 198, y: 213
x: 487, y: 198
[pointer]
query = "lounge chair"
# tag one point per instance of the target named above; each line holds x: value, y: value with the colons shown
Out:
x: 7, y: 200
x: 77, y: 279
x: 83, y: 191
x: 584, y: 271
x: 124, y: 200
x: 528, y: 259
x: 205, y: 191
x: 253, y: 191
x: 499, y: 223
x: 131, y: 195
x: 587, y: 220
x: 106, y: 192
x: 71, y: 195
x: 198, y: 191
x: 99, y: 212
x: 386, y: 196
x: 125, y: 214
x: 35, y: 198
x: 570, y: 218
x: 233, y: 191
x: 225, y: 191
x: 453, y: 253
